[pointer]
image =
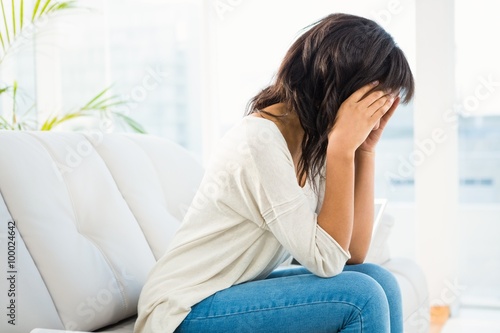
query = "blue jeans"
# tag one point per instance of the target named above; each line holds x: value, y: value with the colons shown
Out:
x: 363, y: 298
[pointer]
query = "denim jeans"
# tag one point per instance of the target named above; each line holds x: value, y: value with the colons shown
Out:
x: 363, y: 298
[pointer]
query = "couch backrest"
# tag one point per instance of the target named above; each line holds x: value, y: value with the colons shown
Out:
x: 92, y: 212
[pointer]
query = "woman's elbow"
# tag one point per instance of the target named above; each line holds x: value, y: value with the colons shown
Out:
x: 358, y: 255
x: 356, y: 259
x: 328, y: 273
x: 328, y: 270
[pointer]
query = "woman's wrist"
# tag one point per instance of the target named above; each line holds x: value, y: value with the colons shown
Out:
x: 338, y: 151
x: 365, y: 152
x: 338, y: 146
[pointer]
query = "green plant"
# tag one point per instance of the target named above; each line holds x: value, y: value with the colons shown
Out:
x: 12, y: 31
x: 4, y: 123
x: 99, y: 106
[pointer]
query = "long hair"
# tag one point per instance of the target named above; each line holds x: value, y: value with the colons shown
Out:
x: 331, y: 60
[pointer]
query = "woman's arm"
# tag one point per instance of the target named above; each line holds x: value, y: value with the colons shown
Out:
x: 354, y: 125
x: 337, y: 212
x: 363, y: 205
x: 352, y: 178
x: 364, y: 190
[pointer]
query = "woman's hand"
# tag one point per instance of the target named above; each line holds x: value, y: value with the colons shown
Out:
x: 374, y: 137
x: 358, y: 116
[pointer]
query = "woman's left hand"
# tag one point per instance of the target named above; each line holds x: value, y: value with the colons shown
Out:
x: 375, y: 135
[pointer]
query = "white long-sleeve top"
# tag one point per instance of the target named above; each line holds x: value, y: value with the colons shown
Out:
x: 248, y: 216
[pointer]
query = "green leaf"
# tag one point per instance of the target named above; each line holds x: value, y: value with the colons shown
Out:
x: 21, y: 15
x: 61, y: 5
x: 47, y: 124
x: 106, y: 103
x: 52, y: 122
x: 14, y: 96
x: 99, y: 95
x: 37, y: 4
x: 5, y: 23
x: 109, y: 104
x: 4, y: 124
x: 44, y: 7
x: 1, y: 40
x: 14, y: 17
x: 101, y: 103
x: 131, y: 123
x: 2, y: 90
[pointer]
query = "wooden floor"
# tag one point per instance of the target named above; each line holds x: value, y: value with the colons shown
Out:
x: 439, y: 316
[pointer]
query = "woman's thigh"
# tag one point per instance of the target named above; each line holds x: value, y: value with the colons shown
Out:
x: 297, y: 301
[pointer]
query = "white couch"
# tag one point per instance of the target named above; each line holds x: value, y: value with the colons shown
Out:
x: 93, y: 212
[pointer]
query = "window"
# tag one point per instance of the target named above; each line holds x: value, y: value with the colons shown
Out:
x: 478, y: 103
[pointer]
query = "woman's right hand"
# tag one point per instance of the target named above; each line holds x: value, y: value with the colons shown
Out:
x: 357, y: 116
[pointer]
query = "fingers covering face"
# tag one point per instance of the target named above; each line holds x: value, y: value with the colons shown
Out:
x: 359, y: 94
x: 380, y: 106
x: 373, y: 103
x: 366, y: 96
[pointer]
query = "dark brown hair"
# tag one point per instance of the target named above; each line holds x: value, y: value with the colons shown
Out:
x: 331, y: 60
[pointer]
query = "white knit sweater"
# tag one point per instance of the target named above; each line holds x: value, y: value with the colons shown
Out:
x: 248, y: 216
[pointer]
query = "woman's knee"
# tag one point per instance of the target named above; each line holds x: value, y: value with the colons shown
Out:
x: 369, y: 300
x: 366, y: 285
x: 384, y: 277
x: 353, y: 288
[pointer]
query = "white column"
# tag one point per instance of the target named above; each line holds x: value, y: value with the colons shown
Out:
x: 436, y: 150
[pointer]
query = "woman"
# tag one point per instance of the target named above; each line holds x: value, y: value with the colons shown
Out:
x: 294, y: 178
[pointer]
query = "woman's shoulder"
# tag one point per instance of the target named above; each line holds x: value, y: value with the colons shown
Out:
x: 252, y: 137
x: 255, y: 132
x: 262, y: 127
